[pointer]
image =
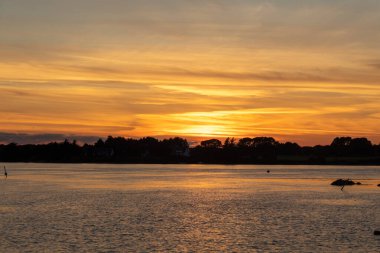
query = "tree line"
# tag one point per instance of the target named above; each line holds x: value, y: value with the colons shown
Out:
x: 258, y: 150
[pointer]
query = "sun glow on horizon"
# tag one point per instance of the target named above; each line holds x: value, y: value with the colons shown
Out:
x: 203, y: 130
x: 294, y: 71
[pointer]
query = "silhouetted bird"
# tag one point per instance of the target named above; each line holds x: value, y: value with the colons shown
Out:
x: 5, y: 173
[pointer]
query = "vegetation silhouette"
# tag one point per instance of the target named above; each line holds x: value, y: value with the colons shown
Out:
x: 257, y: 150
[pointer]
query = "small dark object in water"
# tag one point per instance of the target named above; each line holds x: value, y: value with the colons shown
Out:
x: 378, y: 185
x: 343, y: 182
x: 5, y: 173
x: 268, y: 171
x: 376, y: 232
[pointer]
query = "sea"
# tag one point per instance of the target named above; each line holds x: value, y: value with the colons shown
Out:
x: 188, y: 208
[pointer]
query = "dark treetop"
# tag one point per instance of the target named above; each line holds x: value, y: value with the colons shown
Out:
x: 258, y: 150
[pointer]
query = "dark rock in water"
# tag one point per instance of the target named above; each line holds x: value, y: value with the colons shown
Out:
x: 342, y: 182
x: 376, y: 232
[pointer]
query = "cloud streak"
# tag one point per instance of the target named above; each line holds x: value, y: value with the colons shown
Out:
x: 212, y: 68
x: 21, y: 138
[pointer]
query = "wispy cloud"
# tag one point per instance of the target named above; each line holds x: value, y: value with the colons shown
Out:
x: 22, y: 138
x: 374, y: 64
x: 282, y: 68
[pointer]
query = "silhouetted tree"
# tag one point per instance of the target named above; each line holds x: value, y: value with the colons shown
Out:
x: 212, y: 143
x: 229, y: 143
x: 264, y: 148
x: 347, y: 146
x: 289, y: 148
x: 341, y: 142
x: 345, y: 150
x: 245, y: 142
x: 258, y: 142
x: 100, y: 143
x: 360, y: 146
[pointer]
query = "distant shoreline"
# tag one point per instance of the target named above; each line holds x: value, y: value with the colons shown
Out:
x: 148, y: 150
x: 232, y: 164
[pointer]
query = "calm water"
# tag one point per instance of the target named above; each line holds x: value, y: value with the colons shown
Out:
x: 177, y: 208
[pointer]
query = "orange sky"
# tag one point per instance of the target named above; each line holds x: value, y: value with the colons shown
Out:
x: 303, y: 72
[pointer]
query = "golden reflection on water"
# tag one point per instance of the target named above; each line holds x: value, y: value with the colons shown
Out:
x: 186, y: 180
x: 343, y: 202
x: 142, y: 208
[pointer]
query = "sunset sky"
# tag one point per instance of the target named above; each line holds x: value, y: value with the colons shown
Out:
x: 303, y: 71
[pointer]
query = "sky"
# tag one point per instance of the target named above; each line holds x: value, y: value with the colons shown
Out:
x: 302, y: 71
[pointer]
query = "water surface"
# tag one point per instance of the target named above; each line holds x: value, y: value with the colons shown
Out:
x: 140, y: 208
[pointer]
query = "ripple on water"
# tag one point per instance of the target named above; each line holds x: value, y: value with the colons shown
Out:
x: 49, y: 217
